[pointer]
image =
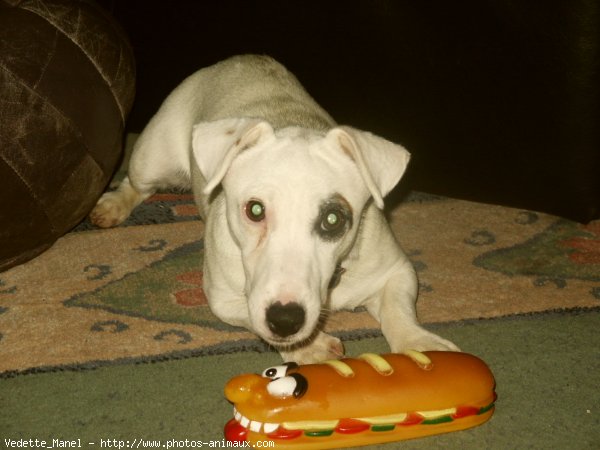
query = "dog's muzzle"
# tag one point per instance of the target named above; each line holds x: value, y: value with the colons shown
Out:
x: 285, y: 320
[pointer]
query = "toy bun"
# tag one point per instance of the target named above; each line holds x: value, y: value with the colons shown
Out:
x: 359, y: 401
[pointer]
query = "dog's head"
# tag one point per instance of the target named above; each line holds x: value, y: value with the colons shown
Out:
x: 294, y: 203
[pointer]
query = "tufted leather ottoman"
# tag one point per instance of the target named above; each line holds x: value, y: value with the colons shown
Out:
x: 67, y: 80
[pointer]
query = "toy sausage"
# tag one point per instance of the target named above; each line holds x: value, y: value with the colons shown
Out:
x: 360, y: 401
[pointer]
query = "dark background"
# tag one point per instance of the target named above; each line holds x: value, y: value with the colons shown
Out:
x: 497, y: 100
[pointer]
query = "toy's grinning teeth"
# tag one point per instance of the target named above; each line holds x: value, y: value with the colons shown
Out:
x: 254, y: 425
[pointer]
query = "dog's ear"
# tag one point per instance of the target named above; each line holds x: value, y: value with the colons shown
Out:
x: 216, y: 144
x: 380, y: 162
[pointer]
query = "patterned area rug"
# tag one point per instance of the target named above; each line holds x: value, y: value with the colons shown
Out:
x: 135, y: 292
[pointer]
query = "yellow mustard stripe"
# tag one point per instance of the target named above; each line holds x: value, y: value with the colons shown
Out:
x: 311, y: 425
x: 420, y: 358
x: 340, y: 367
x: 378, y: 363
x: 438, y: 413
x: 376, y: 420
x: 384, y: 420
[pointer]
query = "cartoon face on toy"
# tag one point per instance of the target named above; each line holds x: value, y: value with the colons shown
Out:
x: 367, y: 399
x: 284, y: 385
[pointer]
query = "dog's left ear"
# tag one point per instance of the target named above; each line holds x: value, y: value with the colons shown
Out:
x: 216, y: 144
x: 380, y: 162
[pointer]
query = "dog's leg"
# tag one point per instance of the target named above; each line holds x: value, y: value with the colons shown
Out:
x: 321, y: 348
x: 160, y: 159
x: 114, y: 207
x: 394, y: 308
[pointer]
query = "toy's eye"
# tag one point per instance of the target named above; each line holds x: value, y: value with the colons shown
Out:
x: 255, y: 210
x: 275, y: 372
x: 292, y: 385
x: 279, y: 371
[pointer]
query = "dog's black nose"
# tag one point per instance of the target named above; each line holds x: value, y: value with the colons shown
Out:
x: 285, y: 320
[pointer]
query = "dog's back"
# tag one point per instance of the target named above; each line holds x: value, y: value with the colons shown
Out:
x: 251, y: 86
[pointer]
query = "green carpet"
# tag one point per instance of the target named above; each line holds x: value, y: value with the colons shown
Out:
x: 547, y: 368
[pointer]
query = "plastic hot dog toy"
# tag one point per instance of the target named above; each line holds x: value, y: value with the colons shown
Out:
x: 360, y: 401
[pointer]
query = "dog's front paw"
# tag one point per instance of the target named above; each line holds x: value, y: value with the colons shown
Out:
x: 321, y: 348
x: 111, y: 210
x: 425, y: 341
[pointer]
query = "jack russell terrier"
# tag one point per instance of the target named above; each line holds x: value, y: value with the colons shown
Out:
x: 292, y: 205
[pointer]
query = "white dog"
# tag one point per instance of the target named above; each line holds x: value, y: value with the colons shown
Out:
x: 292, y: 206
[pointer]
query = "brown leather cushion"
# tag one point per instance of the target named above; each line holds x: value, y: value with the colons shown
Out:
x: 67, y: 81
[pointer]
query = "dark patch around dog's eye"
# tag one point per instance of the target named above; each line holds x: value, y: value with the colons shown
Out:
x: 334, y: 219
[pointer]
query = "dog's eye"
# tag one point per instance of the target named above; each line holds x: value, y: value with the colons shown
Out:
x: 255, y: 210
x: 332, y: 220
